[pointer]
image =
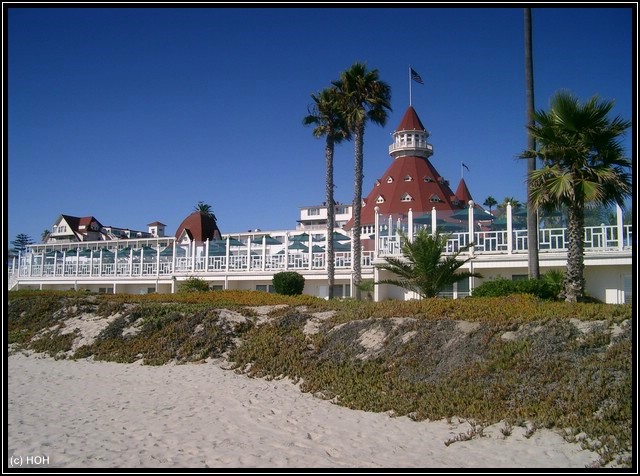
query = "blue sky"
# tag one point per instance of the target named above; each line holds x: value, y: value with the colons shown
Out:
x: 133, y: 115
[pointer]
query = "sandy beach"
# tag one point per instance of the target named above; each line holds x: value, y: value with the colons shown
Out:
x: 75, y: 414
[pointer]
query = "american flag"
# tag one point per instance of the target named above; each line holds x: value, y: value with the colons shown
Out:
x: 416, y: 77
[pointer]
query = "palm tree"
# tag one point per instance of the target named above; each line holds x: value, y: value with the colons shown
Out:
x: 490, y: 202
x: 583, y: 164
x: 328, y: 123
x: 204, y: 208
x: 364, y: 97
x: 422, y: 268
x: 532, y: 216
x: 515, y: 203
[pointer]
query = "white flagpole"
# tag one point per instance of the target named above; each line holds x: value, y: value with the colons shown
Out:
x: 410, y: 85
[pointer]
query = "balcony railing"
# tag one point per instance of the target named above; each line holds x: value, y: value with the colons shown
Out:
x: 164, y: 257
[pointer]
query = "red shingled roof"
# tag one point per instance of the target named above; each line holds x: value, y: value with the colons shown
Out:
x: 199, y: 226
x: 463, y: 193
x: 410, y: 121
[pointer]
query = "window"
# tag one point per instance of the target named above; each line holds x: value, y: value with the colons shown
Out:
x: 105, y: 290
x: 341, y: 210
x: 377, y: 183
x: 216, y: 287
x: 428, y: 179
x: 380, y: 199
x: 313, y: 211
x: 406, y: 198
x: 407, y: 178
x: 434, y: 198
x: 628, y: 288
x: 341, y: 290
x: 267, y: 288
x: 389, y: 179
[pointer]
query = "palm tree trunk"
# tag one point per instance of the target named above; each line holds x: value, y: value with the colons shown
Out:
x: 330, y: 215
x: 574, y: 276
x: 532, y: 215
x: 358, y: 140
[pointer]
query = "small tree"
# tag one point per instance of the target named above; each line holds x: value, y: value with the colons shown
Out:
x: 21, y: 242
x: 193, y: 285
x: 423, y: 269
x: 288, y: 283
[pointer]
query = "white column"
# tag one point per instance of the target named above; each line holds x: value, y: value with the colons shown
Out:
x: 90, y: 263
x: 157, y: 262
x: 115, y: 264
x: 377, y: 231
x: 193, y: 255
x: 620, y: 226
x: 248, y: 252
x: 99, y: 264
x: 509, y: 229
x: 131, y: 261
x: 64, y: 262
x: 471, y: 230
x: 77, y: 264
x: 30, y: 262
x: 141, y: 259
x: 286, y: 251
x: 206, y: 255
x: 434, y: 221
x: 264, y: 251
x: 410, y: 224
x: 310, y: 250
x: 227, y: 253
x: 173, y: 264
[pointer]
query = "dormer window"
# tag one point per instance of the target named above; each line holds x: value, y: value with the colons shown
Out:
x: 380, y: 199
x: 440, y: 180
x: 406, y: 198
x: 428, y: 179
x: 377, y: 183
x: 390, y: 179
x: 407, y: 178
x: 434, y: 198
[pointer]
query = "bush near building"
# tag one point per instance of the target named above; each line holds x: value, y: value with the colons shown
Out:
x: 288, y: 283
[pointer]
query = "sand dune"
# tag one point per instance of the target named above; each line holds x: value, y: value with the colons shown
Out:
x: 96, y: 414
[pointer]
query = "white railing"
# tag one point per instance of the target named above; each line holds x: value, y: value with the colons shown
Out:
x: 38, y: 262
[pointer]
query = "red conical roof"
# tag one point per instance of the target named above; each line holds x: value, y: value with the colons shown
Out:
x: 463, y: 193
x: 410, y: 121
x: 410, y: 182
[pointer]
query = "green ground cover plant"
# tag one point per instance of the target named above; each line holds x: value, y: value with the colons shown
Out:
x: 517, y: 358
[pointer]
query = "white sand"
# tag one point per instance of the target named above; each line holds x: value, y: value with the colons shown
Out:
x: 95, y: 414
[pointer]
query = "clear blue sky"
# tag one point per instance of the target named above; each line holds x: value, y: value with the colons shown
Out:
x: 133, y: 115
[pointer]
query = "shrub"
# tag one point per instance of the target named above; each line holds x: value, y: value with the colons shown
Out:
x: 543, y: 288
x: 193, y: 285
x: 288, y: 283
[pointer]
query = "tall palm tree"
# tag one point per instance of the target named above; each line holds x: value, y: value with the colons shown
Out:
x: 204, y: 208
x: 325, y: 116
x: 490, y: 202
x: 583, y: 164
x: 422, y: 268
x: 364, y: 97
x: 532, y: 216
